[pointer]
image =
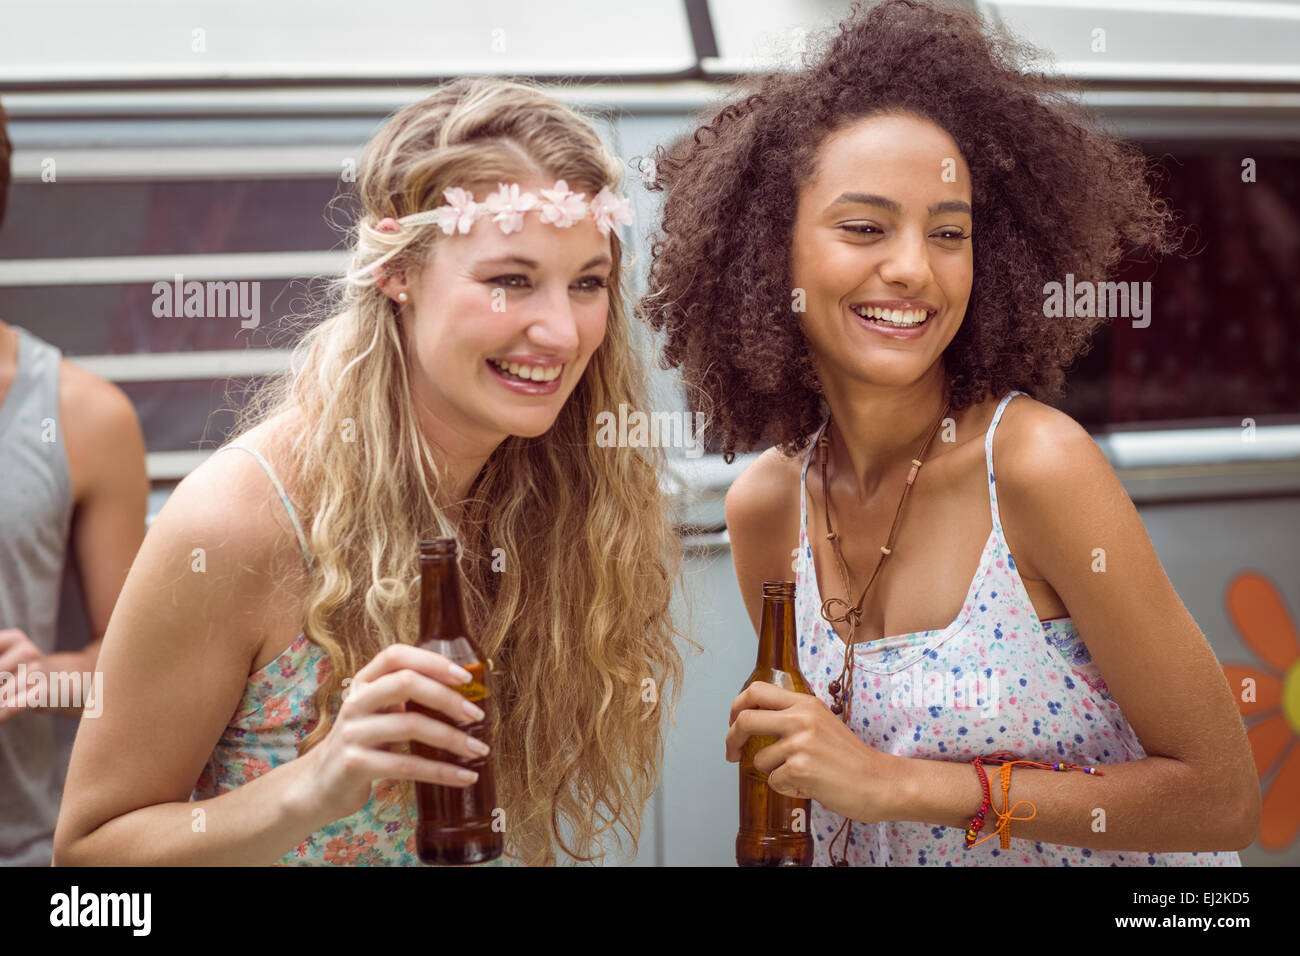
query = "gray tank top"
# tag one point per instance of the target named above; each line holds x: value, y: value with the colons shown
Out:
x: 35, y: 517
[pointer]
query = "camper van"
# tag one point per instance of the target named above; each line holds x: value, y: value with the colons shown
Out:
x: 159, y: 143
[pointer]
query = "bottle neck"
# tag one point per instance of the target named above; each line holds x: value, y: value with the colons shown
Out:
x: 441, y: 617
x: 776, y: 641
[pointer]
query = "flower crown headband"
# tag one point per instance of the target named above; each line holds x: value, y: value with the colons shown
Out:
x: 559, y: 206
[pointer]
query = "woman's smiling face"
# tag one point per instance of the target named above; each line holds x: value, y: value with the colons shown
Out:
x: 537, y: 298
x: 884, y: 228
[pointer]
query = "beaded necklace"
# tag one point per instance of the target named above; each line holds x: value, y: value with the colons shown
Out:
x: 841, y: 688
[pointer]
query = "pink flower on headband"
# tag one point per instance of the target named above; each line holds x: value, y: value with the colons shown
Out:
x: 508, y: 207
x: 609, y: 209
x: 388, y: 225
x: 562, y: 207
x: 461, y: 212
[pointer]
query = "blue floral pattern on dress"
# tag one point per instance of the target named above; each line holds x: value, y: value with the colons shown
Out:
x: 997, y: 678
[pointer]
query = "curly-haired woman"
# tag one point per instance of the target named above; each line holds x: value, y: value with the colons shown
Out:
x: 852, y: 267
x: 268, y: 622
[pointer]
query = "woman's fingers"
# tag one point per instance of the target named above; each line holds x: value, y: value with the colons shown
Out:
x: 753, y: 723
x: 380, y: 729
x: 761, y: 694
x: 389, y: 690
x: 403, y: 694
x: 375, y: 765
x: 398, y: 656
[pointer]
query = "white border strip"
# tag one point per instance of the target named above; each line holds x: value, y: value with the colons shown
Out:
x: 117, y: 270
x: 385, y: 70
x: 332, y: 102
x: 185, y: 162
x: 1180, y: 446
x: 1192, y: 8
x: 185, y: 366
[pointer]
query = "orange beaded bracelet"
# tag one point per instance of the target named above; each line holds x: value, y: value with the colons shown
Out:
x: 1003, y: 829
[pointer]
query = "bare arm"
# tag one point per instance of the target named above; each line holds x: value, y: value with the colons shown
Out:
x: 762, y: 529
x: 106, y: 461
x: 176, y: 660
x: 176, y: 655
x: 1197, y: 788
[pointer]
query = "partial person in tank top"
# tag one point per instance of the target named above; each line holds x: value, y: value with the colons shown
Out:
x: 73, y: 491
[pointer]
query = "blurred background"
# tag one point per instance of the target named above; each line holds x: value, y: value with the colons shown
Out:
x: 220, y: 140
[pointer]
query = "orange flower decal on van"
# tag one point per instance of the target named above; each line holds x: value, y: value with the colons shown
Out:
x: 1273, y: 716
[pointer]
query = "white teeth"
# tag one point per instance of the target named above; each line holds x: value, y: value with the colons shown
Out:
x: 534, y: 374
x: 893, y: 316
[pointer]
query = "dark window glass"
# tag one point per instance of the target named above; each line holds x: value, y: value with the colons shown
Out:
x: 175, y: 217
x: 120, y: 320
x: 188, y: 416
x: 1224, y: 338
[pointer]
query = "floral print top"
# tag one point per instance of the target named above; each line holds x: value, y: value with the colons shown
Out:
x: 276, y: 713
x: 996, y: 678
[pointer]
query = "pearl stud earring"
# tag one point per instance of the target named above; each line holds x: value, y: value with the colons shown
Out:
x: 401, y: 297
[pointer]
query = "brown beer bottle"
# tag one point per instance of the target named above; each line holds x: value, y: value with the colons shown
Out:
x: 455, y: 823
x: 774, y: 829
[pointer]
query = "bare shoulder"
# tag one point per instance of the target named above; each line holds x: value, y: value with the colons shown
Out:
x: 1036, y: 442
x: 230, y: 501
x: 101, y: 431
x: 204, y: 601
x: 763, y: 525
x: 762, y: 495
x: 90, y: 400
x: 1044, y: 460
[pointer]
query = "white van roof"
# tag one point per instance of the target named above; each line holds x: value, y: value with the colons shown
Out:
x: 75, y: 42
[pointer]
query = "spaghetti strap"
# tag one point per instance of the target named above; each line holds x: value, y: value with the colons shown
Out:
x: 988, y: 458
x: 288, y: 505
x: 803, y: 478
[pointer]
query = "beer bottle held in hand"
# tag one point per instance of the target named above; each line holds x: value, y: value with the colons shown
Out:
x: 455, y: 823
x: 774, y: 829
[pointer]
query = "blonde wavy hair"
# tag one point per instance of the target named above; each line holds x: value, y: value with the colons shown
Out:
x: 578, y: 625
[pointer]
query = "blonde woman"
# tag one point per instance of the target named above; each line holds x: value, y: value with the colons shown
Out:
x: 258, y: 663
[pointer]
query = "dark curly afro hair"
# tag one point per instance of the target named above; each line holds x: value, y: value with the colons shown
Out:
x: 1052, y: 193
